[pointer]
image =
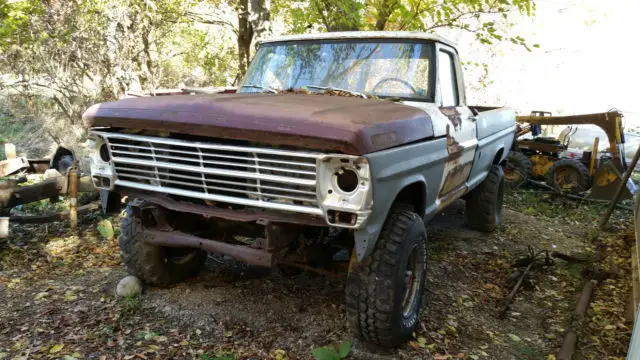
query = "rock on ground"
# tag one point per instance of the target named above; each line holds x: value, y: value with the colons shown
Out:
x: 129, y: 286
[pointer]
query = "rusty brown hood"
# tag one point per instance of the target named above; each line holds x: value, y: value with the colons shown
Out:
x: 328, y: 123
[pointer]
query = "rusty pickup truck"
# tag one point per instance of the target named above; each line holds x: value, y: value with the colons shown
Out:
x: 335, y: 150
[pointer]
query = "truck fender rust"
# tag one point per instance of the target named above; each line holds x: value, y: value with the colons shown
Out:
x: 367, y: 237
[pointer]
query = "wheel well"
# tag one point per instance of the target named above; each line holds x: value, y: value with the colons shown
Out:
x: 414, y: 195
x: 496, y: 160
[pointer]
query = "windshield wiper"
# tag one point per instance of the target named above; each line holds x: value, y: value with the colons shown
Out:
x: 264, y: 89
x: 331, y: 88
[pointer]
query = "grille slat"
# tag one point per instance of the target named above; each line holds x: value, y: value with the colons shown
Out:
x: 128, y: 173
x: 223, y: 163
x: 263, y: 177
x: 263, y: 159
x: 195, y: 185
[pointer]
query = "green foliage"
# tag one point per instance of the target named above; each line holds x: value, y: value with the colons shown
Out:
x: 335, y: 352
x: 487, y: 19
x: 147, y: 335
x: 529, y: 353
x: 66, y: 55
x: 60, y: 57
x: 105, y: 228
x: 129, y: 306
x: 533, y: 202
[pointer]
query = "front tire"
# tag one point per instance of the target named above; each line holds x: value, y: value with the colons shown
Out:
x: 155, y: 265
x: 484, y: 205
x: 384, y: 291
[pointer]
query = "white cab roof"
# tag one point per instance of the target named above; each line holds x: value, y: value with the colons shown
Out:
x: 411, y: 35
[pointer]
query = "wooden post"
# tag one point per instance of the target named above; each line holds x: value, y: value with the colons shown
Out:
x: 10, y: 151
x: 73, y: 198
x: 594, y: 155
x: 623, y: 183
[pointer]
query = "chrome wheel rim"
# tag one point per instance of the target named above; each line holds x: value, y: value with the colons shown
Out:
x: 412, y: 278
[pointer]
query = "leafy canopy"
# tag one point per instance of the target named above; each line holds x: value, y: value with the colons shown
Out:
x: 487, y: 19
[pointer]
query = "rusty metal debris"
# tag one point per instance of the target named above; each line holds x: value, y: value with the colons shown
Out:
x: 242, y: 215
x: 534, y: 259
x: 178, y: 239
x: 571, y: 337
x: 61, y: 177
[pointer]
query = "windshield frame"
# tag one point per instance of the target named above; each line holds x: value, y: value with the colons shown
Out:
x: 431, y: 91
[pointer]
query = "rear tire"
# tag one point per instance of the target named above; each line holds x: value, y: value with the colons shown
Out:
x: 484, y: 204
x: 384, y: 291
x: 155, y: 265
x: 568, y: 175
x: 519, y: 169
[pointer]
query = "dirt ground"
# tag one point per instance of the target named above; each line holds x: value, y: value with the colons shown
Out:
x: 57, y: 297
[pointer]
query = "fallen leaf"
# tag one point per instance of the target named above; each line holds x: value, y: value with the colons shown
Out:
x: 105, y: 229
x: 280, y: 354
x: 344, y: 349
x: 41, y: 295
x: 514, y: 338
x: 70, y: 296
x: 422, y: 341
x: 56, y: 348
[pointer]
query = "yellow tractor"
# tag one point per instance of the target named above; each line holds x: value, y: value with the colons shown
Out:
x: 550, y: 159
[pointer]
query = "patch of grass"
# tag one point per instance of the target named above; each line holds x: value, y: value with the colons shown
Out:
x: 333, y: 352
x: 538, y: 203
x: 107, y: 331
x: 572, y: 270
x: 528, y: 353
x: 129, y: 306
x: 147, y: 335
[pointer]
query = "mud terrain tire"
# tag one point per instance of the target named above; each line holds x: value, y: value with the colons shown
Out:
x: 155, y: 265
x: 384, y: 291
x: 484, y: 203
x: 519, y: 169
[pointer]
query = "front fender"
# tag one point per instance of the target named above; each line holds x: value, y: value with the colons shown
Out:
x: 391, y: 171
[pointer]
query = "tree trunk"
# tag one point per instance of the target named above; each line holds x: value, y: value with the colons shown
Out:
x: 245, y: 36
x: 384, y: 9
x: 260, y: 18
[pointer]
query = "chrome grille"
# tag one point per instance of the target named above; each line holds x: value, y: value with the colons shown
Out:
x: 263, y: 177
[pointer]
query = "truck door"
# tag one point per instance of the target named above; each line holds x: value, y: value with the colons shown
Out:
x: 460, y: 126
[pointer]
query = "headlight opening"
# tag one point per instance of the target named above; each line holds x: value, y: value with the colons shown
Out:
x: 346, y: 180
x: 104, y: 153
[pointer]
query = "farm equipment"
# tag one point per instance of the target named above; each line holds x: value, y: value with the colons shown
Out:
x: 569, y: 171
x: 60, y: 176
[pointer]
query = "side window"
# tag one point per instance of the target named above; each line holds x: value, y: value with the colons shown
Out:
x: 447, y: 76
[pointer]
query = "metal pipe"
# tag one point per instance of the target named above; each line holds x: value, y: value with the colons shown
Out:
x: 623, y: 183
x: 313, y: 269
x: 179, y: 239
x: 571, y: 336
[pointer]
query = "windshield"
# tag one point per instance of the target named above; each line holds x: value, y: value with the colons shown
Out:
x: 379, y: 68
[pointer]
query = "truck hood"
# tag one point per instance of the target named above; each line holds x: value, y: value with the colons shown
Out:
x: 348, y: 125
